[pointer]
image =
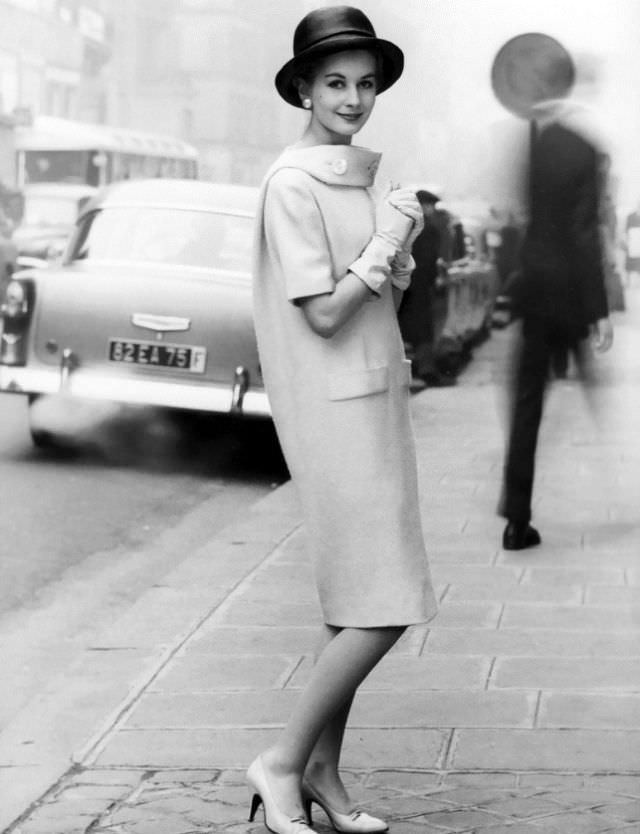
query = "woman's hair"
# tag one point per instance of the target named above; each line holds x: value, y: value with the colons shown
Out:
x: 307, y: 72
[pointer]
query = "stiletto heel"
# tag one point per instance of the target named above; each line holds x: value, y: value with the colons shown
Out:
x: 356, y: 822
x: 274, y: 819
x: 255, y: 804
x: 307, y: 810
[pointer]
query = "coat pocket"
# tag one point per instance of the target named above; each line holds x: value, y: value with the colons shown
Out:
x: 351, y: 384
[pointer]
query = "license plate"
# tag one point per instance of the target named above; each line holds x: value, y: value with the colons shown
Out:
x: 181, y: 357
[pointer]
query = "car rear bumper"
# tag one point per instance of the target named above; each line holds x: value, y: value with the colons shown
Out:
x: 91, y: 384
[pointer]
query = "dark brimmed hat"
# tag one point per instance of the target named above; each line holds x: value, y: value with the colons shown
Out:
x: 334, y: 29
x: 428, y: 195
x: 529, y: 69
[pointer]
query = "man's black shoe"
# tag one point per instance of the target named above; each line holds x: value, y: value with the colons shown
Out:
x: 518, y: 536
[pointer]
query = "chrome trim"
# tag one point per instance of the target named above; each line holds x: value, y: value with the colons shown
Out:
x: 240, y: 388
x: 97, y: 385
x: 30, y: 262
x: 177, y: 206
x: 161, y: 324
x: 68, y: 363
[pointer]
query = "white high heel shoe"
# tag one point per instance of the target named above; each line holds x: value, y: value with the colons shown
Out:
x: 356, y: 822
x: 274, y: 820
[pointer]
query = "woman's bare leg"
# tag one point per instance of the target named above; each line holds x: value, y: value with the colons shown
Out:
x: 341, y: 667
x: 323, y: 764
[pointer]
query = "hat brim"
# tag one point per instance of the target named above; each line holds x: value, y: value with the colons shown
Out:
x: 391, y: 55
x: 515, y: 75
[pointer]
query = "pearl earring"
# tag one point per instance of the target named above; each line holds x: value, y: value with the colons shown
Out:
x: 306, y: 103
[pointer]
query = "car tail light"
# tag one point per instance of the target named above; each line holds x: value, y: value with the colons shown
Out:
x: 16, y: 313
x: 15, y: 300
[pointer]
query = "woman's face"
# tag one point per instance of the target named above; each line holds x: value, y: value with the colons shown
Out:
x: 342, y: 95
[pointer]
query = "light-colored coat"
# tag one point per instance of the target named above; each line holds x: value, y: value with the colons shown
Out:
x: 340, y: 405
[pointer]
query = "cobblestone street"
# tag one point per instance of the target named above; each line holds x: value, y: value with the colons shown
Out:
x: 186, y: 802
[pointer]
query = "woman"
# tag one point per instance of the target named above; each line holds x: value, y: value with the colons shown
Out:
x: 333, y: 363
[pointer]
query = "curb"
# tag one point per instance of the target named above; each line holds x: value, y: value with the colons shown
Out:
x: 148, y: 635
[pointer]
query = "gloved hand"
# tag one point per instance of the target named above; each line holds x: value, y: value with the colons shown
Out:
x: 395, y: 218
x: 402, y: 265
x: 405, y: 200
x: 396, y: 214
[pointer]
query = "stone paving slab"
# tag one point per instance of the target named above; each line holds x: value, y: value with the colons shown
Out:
x: 618, y: 674
x: 532, y: 642
x: 541, y: 749
x: 189, y: 673
x: 404, y: 673
x: 579, y: 618
x: 234, y: 747
x: 433, y: 709
x: 572, y: 711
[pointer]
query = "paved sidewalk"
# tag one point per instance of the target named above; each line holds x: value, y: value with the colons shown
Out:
x: 516, y: 711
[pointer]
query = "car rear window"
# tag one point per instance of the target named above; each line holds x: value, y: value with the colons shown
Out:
x: 185, y: 237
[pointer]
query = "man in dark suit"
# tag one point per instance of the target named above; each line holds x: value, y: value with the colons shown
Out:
x: 560, y: 295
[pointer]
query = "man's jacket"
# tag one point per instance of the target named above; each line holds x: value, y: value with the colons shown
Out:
x: 562, y: 260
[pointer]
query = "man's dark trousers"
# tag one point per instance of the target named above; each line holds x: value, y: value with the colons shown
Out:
x: 542, y: 339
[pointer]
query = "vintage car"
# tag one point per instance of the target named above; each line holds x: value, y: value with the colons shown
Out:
x: 150, y: 304
x: 473, y: 285
x: 49, y: 215
x: 461, y: 305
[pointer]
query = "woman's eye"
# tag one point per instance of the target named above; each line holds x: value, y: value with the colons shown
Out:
x: 336, y: 84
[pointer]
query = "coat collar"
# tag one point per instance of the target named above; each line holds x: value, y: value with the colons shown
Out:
x: 333, y: 164
x: 572, y: 115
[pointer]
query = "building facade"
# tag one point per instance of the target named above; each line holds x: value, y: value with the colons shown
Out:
x: 52, y: 59
x: 203, y: 70
x: 198, y: 70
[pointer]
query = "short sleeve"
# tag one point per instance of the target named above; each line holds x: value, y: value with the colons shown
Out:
x: 296, y: 236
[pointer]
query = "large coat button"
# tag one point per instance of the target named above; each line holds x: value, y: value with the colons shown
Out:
x: 339, y: 166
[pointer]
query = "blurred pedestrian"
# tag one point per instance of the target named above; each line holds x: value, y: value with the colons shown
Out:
x: 613, y: 281
x: 329, y: 261
x: 632, y: 245
x: 560, y: 294
x: 423, y: 307
x: 508, y: 256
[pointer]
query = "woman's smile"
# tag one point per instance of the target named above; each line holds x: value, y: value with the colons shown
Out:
x: 345, y: 80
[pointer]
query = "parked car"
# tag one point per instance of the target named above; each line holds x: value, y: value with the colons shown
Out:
x: 8, y: 258
x: 464, y: 292
x: 49, y: 215
x: 151, y: 304
x: 473, y: 280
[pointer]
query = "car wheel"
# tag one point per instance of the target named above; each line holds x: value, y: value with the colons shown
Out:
x: 41, y: 438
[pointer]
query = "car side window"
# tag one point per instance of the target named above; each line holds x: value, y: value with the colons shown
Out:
x: 79, y: 248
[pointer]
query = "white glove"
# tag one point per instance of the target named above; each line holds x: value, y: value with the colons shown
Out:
x: 395, y: 216
x: 405, y: 200
x: 401, y: 272
x: 403, y: 264
x: 393, y: 227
